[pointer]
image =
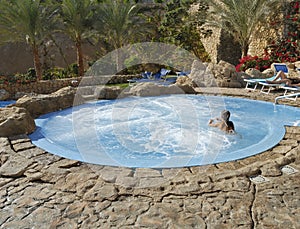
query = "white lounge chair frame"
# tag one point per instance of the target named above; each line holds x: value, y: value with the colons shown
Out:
x: 293, y: 91
x: 249, y: 83
x: 263, y: 82
x: 266, y: 87
x: 292, y: 96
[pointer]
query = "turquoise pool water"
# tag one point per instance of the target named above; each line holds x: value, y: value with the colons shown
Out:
x: 162, y: 132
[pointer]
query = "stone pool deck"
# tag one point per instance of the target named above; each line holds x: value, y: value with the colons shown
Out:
x: 40, y: 190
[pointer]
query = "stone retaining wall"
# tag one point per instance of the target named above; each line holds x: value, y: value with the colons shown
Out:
x: 106, y: 79
x: 50, y: 86
x: 40, y: 87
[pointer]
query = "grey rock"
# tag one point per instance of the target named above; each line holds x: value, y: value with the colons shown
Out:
x: 4, y: 95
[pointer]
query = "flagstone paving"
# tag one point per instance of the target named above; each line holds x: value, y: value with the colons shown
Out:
x: 41, y: 190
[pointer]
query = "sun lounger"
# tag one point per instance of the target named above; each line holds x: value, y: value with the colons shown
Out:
x: 267, y: 87
x: 281, y: 67
x: 145, y: 77
x: 164, y: 72
x: 182, y: 73
x: 154, y: 78
x: 251, y: 84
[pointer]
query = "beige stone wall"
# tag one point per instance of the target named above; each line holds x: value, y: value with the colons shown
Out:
x: 263, y: 36
x: 222, y: 46
x: 40, y: 87
x: 211, y: 44
x: 50, y: 86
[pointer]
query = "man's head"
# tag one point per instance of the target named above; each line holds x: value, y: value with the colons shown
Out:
x: 225, y: 115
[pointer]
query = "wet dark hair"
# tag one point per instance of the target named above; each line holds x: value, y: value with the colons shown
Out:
x: 225, y: 115
x: 230, y: 125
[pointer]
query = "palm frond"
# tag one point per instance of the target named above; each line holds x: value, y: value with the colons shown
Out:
x: 119, y: 21
x: 240, y: 18
x: 25, y: 21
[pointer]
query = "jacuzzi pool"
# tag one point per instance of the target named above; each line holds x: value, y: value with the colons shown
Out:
x: 162, y: 132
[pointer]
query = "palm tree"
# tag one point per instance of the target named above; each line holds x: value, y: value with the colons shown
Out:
x: 240, y: 18
x: 77, y: 19
x: 119, y: 23
x: 27, y: 21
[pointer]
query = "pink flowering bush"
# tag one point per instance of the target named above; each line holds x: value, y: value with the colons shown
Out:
x: 259, y: 63
x: 286, y: 49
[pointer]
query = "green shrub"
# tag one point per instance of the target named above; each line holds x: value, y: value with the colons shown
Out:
x: 61, y: 73
x: 72, y: 70
x: 54, y: 73
x: 26, y: 78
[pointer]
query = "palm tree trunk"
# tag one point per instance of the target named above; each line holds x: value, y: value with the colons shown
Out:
x: 119, y: 59
x: 37, y: 63
x: 118, y: 67
x: 79, y: 57
x: 245, y: 50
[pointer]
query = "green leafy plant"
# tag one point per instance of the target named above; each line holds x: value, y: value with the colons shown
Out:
x: 54, y: 73
x: 61, y: 73
x: 184, y: 29
x: 17, y: 79
x: 72, y: 70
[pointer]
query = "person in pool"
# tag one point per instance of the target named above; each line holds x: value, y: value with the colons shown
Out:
x: 223, y: 122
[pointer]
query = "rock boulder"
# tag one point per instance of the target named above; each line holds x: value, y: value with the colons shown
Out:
x: 268, y: 73
x: 15, y: 121
x: 200, y: 75
x: 103, y: 92
x: 4, y: 95
x: 225, y: 75
x: 186, y: 84
x: 222, y: 74
x: 151, y: 89
x: 254, y: 73
x: 42, y: 104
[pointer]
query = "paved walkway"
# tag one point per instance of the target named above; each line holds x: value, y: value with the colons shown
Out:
x: 40, y: 190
